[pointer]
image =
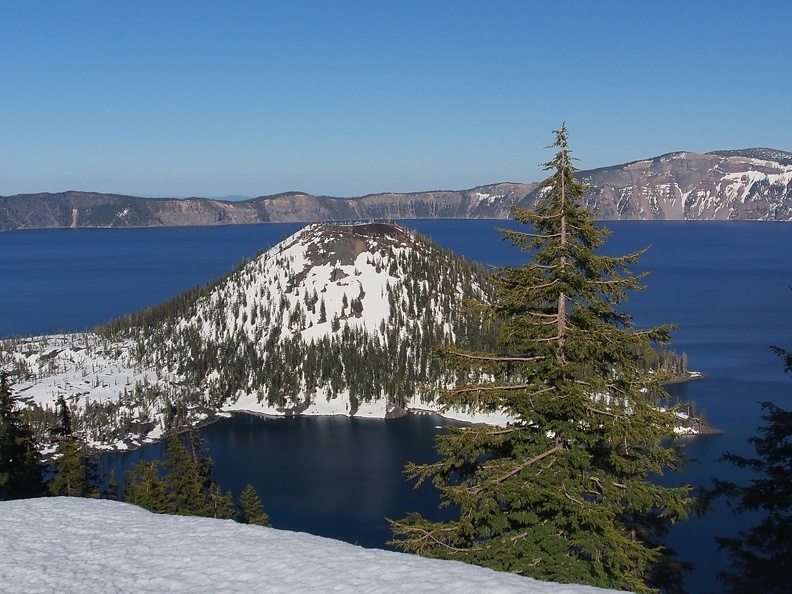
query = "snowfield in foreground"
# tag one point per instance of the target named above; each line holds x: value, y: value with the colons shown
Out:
x: 82, y: 545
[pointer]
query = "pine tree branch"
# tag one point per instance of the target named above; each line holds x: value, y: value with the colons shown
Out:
x: 548, y: 339
x: 601, y: 412
x: 534, y: 265
x: 553, y: 316
x: 428, y: 536
x: 501, y: 387
x: 568, y: 496
x: 497, y: 358
x: 546, y: 217
x: 531, y: 461
x: 614, y: 281
x: 555, y: 281
x: 501, y: 431
x: 539, y: 235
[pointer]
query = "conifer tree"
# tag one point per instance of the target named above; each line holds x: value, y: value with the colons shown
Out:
x: 112, y: 486
x: 75, y: 472
x: 761, y: 555
x: 143, y: 487
x: 64, y: 418
x: 251, y: 511
x: 21, y: 468
x: 183, y: 481
x: 221, y: 505
x: 187, y: 484
x: 563, y: 492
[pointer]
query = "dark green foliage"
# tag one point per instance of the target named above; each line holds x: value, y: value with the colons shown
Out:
x: 21, y: 469
x: 761, y: 556
x: 112, y: 486
x: 143, y: 487
x: 64, y: 426
x: 563, y: 492
x: 221, y: 505
x: 184, y: 480
x: 184, y: 487
x: 251, y: 511
x: 786, y: 356
x: 74, y: 467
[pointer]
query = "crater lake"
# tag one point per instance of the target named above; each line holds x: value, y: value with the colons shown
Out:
x: 726, y: 285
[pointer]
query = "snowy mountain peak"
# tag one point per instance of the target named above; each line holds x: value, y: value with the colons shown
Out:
x: 325, y: 278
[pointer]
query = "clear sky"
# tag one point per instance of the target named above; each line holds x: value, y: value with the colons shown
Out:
x: 346, y: 97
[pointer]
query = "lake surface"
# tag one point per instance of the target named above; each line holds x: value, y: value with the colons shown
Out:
x: 726, y: 285
x: 333, y: 476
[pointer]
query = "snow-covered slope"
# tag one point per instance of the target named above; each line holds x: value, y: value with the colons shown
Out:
x: 336, y: 319
x: 80, y: 545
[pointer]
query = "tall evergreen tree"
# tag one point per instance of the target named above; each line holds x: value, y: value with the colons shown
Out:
x: 111, y: 492
x: 563, y: 492
x: 183, y: 482
x: 143, y: 487
x: 64, y: 426
x: 75, y: 472
x: 251, y: 511
x: 186, y: 488
x: 221, y: 504
x: 21, y: 468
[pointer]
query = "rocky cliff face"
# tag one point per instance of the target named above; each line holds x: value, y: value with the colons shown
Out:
x: 754, y: 184
x: 749, y: 184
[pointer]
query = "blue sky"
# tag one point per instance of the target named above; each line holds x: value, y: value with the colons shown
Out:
x: 345, y: 98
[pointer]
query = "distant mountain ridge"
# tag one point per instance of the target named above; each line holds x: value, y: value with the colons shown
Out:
x: 766, y: 154
x: 746, y: 184
x: 749, y: 184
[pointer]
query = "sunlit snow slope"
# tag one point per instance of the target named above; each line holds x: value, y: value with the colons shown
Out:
x: 79, y: 545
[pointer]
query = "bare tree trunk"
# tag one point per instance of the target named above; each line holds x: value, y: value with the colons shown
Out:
x: 562, y: 319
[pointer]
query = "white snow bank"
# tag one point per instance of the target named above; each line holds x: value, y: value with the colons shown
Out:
x: 81, y: 545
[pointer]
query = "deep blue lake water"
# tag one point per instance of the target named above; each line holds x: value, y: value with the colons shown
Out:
x: 726, y: 285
